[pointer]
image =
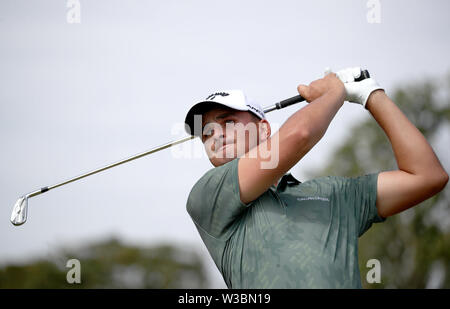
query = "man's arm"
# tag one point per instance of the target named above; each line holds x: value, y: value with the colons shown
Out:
x: 420, y: 175
x: 293, y: 140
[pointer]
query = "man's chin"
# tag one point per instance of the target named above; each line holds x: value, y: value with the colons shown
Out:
x: 220, y: 161
x: 225, y: 155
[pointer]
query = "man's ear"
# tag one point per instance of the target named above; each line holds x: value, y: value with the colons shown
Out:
x: 264, y: 130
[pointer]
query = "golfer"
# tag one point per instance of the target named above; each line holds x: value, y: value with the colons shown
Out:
x: 264, y: 228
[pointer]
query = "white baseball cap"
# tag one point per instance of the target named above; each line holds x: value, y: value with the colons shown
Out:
x: 235, y: 99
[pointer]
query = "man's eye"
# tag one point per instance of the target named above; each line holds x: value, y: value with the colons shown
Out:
x: 208, y: 133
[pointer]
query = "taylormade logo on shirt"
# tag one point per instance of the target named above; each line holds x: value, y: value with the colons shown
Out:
x: 313, y: 198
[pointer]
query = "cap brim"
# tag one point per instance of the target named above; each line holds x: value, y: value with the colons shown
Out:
x: 199, y: 109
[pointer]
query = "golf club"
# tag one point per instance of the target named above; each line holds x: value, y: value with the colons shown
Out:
x: 19, y: 213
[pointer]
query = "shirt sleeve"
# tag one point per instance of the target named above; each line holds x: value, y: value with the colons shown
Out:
x: 214, y: 202
x: 359, y: 194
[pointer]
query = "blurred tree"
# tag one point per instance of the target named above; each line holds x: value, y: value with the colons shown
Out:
x: 413, y: 247
x: 111, y: 264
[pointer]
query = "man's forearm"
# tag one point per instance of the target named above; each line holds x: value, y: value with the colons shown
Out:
x: 412, y: 151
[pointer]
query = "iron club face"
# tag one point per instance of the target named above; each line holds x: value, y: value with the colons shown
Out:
x: 19, y: 213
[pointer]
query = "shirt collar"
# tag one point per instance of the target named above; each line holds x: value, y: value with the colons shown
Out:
x: 287, y: 179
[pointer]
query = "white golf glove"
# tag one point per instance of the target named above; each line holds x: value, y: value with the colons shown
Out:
x: 357, y: 92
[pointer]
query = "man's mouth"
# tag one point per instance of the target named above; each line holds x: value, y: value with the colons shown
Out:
x: 223, y: 147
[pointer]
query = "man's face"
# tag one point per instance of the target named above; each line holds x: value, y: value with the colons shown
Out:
x: 228, y: 134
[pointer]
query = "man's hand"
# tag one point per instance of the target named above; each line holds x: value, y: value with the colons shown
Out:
x: 330, y: 83
x: 357, y: 92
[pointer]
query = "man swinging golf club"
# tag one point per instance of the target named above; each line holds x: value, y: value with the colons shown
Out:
x: 264, y: 228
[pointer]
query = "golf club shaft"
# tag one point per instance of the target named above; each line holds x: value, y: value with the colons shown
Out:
x: 279, y: 105
x: 140, y: 155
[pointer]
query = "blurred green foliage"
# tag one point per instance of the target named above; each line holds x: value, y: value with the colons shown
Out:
x: 111, y: 264
x: 413, y: 247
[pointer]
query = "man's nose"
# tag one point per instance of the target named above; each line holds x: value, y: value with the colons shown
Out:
x: 219, y: 139
x: 219, y: 133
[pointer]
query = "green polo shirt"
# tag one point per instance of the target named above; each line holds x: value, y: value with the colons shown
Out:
x: 295, y: 235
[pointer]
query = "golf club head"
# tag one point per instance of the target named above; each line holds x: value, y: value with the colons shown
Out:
x: 19, y: 213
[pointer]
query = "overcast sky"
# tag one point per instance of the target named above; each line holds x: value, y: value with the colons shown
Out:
x: 77, y: 96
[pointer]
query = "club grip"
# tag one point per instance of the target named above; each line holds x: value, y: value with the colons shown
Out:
x: 290, y: 101
x: 298, y: 98
x: 364, y: 74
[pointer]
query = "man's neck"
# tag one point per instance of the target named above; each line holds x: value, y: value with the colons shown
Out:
x: 276, y: 182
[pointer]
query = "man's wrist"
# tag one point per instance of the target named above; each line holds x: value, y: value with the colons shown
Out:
x: 338, y: 92
x: 374, y: 98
